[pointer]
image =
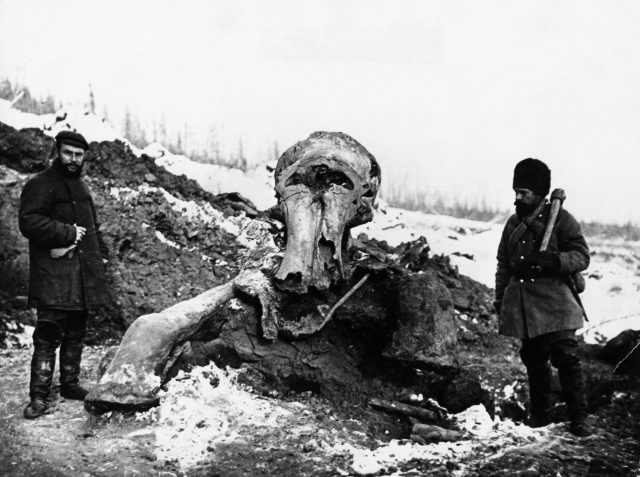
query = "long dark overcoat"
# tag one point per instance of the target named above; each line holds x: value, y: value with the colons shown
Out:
x: 530, y: 305
x: 50, y: 203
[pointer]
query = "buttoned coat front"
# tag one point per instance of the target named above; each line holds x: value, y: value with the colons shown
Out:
x: 50, y: 204
x: 532, y: 305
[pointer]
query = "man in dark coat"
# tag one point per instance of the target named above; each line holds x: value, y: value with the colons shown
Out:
x: 67, y: 276
x: 536, y: 298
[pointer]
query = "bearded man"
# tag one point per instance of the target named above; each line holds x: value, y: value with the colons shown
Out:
x: 535, y: 296
x: 67, y: 258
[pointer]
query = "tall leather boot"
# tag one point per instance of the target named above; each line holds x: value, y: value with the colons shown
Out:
x: 574, y: 391
x: 565, y: 355
x: 46, y: 339
x: 539, y: 394
x: 71, y: 356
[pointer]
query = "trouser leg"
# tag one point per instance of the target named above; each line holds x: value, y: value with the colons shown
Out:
x: 565, y: 356
x: 46, y: 339
x: 535, y: 356
x: 71, y: 349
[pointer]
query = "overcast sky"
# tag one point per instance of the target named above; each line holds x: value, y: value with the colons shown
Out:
x: 448, y: 95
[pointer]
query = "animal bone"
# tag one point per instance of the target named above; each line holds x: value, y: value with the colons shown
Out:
x: 325, y: 185
x: 256, y: 283
x: 133, y: 377
x: 314, y: 322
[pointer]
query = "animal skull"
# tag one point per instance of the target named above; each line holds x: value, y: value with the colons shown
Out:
x: 325, y: 185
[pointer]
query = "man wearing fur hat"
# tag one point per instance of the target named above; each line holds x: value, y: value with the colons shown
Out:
x: 67, y: 275
x: 534, y: 296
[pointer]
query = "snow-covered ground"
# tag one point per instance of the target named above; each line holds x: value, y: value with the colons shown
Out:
x: 207, y: 408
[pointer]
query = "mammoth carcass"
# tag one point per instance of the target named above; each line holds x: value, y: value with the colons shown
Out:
x: 321, y: 315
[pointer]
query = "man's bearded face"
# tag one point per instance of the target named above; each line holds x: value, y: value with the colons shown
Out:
x: 71, y: 158
x: 526, y: 201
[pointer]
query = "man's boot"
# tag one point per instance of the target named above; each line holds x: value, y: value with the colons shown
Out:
x: 565, y: 355
x: 539, y: 394
x: 42, y: 366
x: 46, y: 338
x: 573, y: 388
x: 70, y: 357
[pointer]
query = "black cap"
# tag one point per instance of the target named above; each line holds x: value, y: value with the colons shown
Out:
x: 532, y: 174
x: 71, y: 138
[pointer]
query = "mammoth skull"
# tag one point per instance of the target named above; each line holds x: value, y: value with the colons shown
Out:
x: 325, y: 185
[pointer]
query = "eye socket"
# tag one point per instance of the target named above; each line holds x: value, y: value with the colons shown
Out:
x: 320, y: 177
x: 338, y: 178
x: 369, y: 193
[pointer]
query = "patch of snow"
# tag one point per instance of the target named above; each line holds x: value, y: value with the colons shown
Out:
x: 165, y: 240
x: 9, y: 176
x: 249, y: 233
x: 256, y: 185
x: 371, y: 461
x: 475, y: 420
x: 18, y: 339
x: 92, y: 127
x: 235, y: 304
x: 206, y: 408
x: 483, y: 432
x: 445, y: 235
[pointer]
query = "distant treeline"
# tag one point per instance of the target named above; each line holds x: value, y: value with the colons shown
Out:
x: 25, y: 102
x: 206, y: 148
x: 627, y: 231
x: 200, y: 146
x: 435, y: 203
x: 197, y: 145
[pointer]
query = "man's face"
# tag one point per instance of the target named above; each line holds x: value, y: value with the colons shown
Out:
x: 526, y: 200
x: 71, y: 157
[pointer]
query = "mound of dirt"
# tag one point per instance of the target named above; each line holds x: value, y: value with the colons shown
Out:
x: 470, y: 297
x: 26, y: 150
x: 159, y: 255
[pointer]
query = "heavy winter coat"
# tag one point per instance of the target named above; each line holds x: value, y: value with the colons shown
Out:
x: 50, y: 204
x: 532, y: 305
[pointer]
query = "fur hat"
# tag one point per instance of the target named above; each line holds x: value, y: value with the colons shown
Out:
x: 532, y: 174
x: 72, y: 139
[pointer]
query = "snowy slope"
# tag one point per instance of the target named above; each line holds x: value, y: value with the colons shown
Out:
x: 613, y: 283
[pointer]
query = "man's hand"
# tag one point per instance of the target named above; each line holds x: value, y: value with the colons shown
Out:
x: 544, y: 263
x: 80, y: 232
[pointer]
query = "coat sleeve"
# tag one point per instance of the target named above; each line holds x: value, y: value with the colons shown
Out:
x: 503, y: 270
x: 573, y: 249
x: 34, y: 218
x: 104, y: 249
